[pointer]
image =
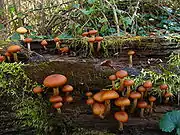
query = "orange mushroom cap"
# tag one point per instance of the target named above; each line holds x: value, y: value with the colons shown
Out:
x: 91, y: 40
x: 142, y: 104
x: 121, y: 116
x: 69, y: 99
x: 121, y: 74
x: 54, y: 80
x: 110, y: 94
x: 67, y: 88
x: 147, y: 84
x: 2, y: 58
x: 56, y: 39
x: 58, y: 105
x: 98, y: 39
x: 64, y: 49
x: 92, y: 32
x: 141, y: 89
x: 135, y: 95
x: 131, y: 52
x: 152, y: 99
x: 89, y: 94
x: 8, y: 54
x: 98, y: 96
x: 128, y: 82
x: 44, y: 43
x: 90, y: 101
x: 168, y: 94
x: 85, y: 34
x: 55, y: 99
x: 37, y: 89
x: 163, y: 86
x: 14, y: 49
x: 28, y: 40
x: 112, y: 77
x: 122, y: 101
x: 98, y: 108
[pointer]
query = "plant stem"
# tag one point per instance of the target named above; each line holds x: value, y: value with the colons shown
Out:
x: 130, y: 61
x: 29, y: 46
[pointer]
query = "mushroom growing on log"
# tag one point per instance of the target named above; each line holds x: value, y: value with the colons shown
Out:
x: 122, y: 117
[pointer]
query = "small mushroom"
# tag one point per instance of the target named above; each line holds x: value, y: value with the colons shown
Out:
x: 148, y: 86
x: 91, y: 42
x: 64, y: 49
x: 90, y: 101
x: 55, y: 99
x: 57, y: 41
x: 69, y: 99
x: 89, y: 94
x: 142, y: 105
x: 2, y: 58
x: 121, y: 75
x: 44, y: 44
x: 58, y: 106
x: 67, y: 89
x: 85, y: 34
x: 164, y: 88
x: 55, y: 81
x: 92, y: 33
x: 28, y: 41
x: 21, y: 31
x: 98, y: 39
x: 14, y: 49
x: 167, y: 96
x: 98, y: 109
x: 135, y: 96
x: 141, y: 89
x: 130, y: 53
x: 152, y: 99
x: 122, y: 102
x: 38, y: 90
x: 128, y: 84
x: 8, y: 55
x: 122, y: 117
x: 112, y: 78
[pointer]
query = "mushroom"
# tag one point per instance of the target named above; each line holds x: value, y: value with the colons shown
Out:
x: 167, y: 96
x: 91, y: 42
x: 2, y: 58
x: 98, y: 39
x: 58, y: 106
x: 135, y: 96
x: 148, y: 86
x: 64, y: 49
x: 152, y: 99
x: 28, y: 41
x: 55, y: 99
x: 57, y: 41
x: 164, y: 88
x: 69, y: 99
x: 142, y: 105
x: 122, y: 117
x: 8, y: 55
x: 85, y: 34
x: 54, y: 81
x: 67, y: 89
x: 14, y: 49
x: 37, y: 90
x: 44, y: 44
x: 121, y: 75
x: 90, y: 101
x: 98, y: 109
x: 128, y: 83
x: 98, y: 96
x: 141, y: 89
x: 21, y: 31
x: 89, y: 94
x: 122, y: 102
x: 113, y: 78
x: 130, y: 53
x: 107, y: 96
x: 92, y: 33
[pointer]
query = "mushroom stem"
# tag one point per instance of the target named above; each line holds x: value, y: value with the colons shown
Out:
x: 22, y: 36
x: 67, y: 93
x: 29, y: 46
x: 120, y: 126
x: 9, y: 59
x: 56, y: 91
x: 99, y: 46
x: 128, y: 91
x: 146, y: 93
x: 92, y: 47
x: 134, y: 105
x: 166, y: 100
x: 130, y: 61
x: 15, y: 57
x: 122, y: 108
x: 108, y: 106
x: 101, y: 115
x: 39, y: 94
x: 142, y: 113
x: 121, y: 85
x: 57, y: 45
x: 45, y: 48
x: 59, y: 110
x: 151, y: 109
x: 142, y: 95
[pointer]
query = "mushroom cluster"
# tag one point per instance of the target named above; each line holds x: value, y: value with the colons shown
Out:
x: 61, y: 90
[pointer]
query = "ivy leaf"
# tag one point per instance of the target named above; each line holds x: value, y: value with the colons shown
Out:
x: 87, y: 12
x: 15, y: 36
x: 11, y: 9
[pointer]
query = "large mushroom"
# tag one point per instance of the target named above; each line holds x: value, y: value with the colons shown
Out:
x: 121, y: 75
x: 98, y: 39
x: 98, y: 109
x: 148, y: 85
x: 130, y: 53
x: 122, y: 117
x: 21, y: 31
x: 152, y: 99
x: 44, y: 44
x: 14, y: 49
x: 122, y: 102
x: 128, y: 84
x: 135, y: 96
x: 142, y: 105
x: 141, y: 89
x: 98, y: 96
x: 55, y: 81
x: 57, y: 41
x: 112, y: 78
x: 92, y: 33
x: 67, y: 89
x: 28, y: 41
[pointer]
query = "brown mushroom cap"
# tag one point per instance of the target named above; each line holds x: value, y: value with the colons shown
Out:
x: 56, y: 39
x: 98, y: 39
x: 112, y: 77
x: 28, y: 40
x: 14, y: 49
x: 54, y: 80
x: 163, y: 86
x: 152, y: 99
x: 121, y: 74
x: 8, y: 54
x: 85, y: 34
x: 58, y: 105
x: 89, y: 94
x: 110, y: 94
x: 131, y: 52
x: 98, y: 108
x: 121, y: 116
x: 141, y: 89
x: 37, y: 89
x: 92, y: 32
x: 67, y: 88
x: 44, y: 43
x: 98, y: 96
x: 147, y: 84
x: 91, y: 40
x: 55, y: 99
x: 90, y: 101
x: 128, y: 82
x: 135, y: 95
x: 2, y: 58
x: 142, y: 104
x: 122, y: 101
x: 168, y: 94
x: 69, y: 99
x: 21, y: 30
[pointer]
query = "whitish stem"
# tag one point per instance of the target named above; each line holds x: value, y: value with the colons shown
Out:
x: 134, y: 106
x: 45, y: 48
x: 108, y: 106
x: 101, y: 116
x: 9, y: 59
x: 29, y: 46
x: 120, y: 126
x: 128, y: 91
x: 99, y: 46
x: 92, y: 47
x: 142, y: 113
x: 56, y: 91
x: 166, y: 100
x: 130, y: 61
x: 57, y: 45
x: 22, y: 36
x: 15, y: 57
x: 122, y: 108
x: 39, y: 94
x: 59, y: 110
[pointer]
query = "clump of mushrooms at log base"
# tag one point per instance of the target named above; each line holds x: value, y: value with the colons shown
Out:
x: 130, y: 101
x: 60, y: 91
